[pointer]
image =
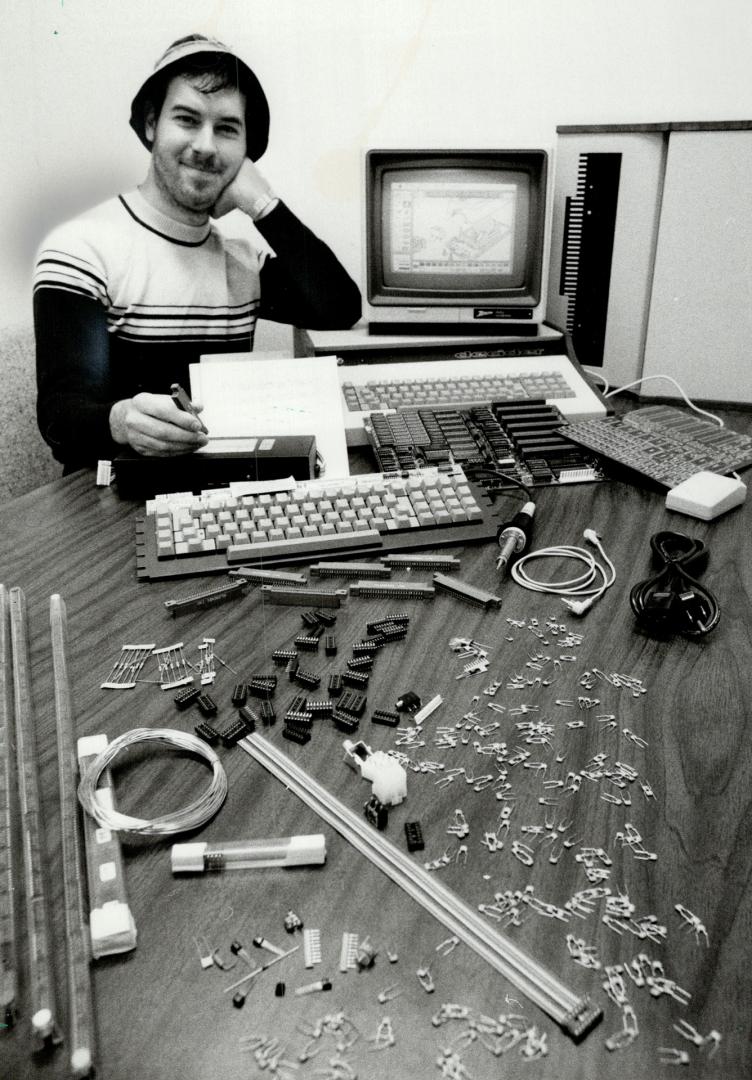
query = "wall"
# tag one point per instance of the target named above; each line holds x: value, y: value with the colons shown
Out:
x: 342, y: 75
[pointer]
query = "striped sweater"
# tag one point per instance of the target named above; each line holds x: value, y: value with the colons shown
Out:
x: 126, y: 298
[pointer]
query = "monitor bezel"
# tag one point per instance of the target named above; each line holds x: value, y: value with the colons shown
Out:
x: 532, y: 162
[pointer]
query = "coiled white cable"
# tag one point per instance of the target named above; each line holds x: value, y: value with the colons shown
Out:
x: 579, y: 586
x: 190, y: 817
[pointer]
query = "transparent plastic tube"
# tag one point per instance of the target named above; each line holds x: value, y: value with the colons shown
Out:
x: 248, y: 854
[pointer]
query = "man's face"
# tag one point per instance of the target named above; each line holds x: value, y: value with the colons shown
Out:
x: 198, y: 146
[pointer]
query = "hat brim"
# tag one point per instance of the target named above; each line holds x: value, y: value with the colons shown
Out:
x: 256, y: 105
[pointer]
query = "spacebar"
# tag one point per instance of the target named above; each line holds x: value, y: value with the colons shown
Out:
x: 304, y: 545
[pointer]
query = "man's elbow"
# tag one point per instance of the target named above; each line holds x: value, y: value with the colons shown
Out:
x: 341, y: 313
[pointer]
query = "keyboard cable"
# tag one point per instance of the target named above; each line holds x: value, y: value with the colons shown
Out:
x: 514, y: 536
x: 483, y: 475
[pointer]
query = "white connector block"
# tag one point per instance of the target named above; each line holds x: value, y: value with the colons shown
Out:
x: 388, y: 778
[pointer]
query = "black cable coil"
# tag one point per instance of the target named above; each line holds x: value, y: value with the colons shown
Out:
x: 673, y: 601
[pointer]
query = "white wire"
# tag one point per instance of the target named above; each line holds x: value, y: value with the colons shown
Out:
x: 190, y: 817
x: 600, y: 376
x: 667, y: 378
x: 578, y: 586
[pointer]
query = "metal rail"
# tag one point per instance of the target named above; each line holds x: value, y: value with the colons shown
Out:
x: 8, y: 957
x: 80, y: 1012
x: 575, y: 1015
x: 41, y: 981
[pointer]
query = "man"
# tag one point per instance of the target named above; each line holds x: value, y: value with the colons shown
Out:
x: 131, y: 292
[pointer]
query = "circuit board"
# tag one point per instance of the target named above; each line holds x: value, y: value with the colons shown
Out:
x: 505, y: 442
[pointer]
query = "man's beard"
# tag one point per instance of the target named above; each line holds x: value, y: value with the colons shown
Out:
x: 180, y: 188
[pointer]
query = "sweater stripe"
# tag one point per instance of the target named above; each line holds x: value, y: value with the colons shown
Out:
x: 132, y: 261
x: 183, y: 339
x: 68, y: 271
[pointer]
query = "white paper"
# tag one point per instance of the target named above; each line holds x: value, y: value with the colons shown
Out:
x: 246, y: 396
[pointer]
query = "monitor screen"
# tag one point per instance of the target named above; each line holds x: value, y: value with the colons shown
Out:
x: 455, y: 236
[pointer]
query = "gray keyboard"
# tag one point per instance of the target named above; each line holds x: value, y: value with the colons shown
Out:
x: 467, y: 390
x: 368, y: 514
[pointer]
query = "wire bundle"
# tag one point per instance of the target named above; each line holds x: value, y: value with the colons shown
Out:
x: 190, y: 817
x: 673, y: 601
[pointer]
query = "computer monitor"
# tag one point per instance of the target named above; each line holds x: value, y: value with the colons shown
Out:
x: 455, y: 241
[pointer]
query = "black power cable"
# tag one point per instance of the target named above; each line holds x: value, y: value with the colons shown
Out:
x: 673, y: 601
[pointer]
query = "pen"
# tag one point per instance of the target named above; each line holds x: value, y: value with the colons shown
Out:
x: 183, y: 402
x: 248, y: 854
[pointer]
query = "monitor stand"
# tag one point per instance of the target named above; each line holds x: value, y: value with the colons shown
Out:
x: 357, y: 346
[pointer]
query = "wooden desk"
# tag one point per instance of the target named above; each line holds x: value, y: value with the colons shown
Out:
x: 160, y: 1016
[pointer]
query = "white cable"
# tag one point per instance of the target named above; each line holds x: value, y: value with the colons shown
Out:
x: 600, y: 377
x: 190, y: 817
x: 581, y: 585
x: 667, y: 378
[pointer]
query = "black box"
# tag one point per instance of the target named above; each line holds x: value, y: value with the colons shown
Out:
x: 268, y: 458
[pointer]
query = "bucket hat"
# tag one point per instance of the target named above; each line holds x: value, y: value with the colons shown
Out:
x: 172, y: 62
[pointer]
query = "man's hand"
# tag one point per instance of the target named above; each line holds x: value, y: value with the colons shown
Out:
x: 249, y: 192
x: 153, y: 425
